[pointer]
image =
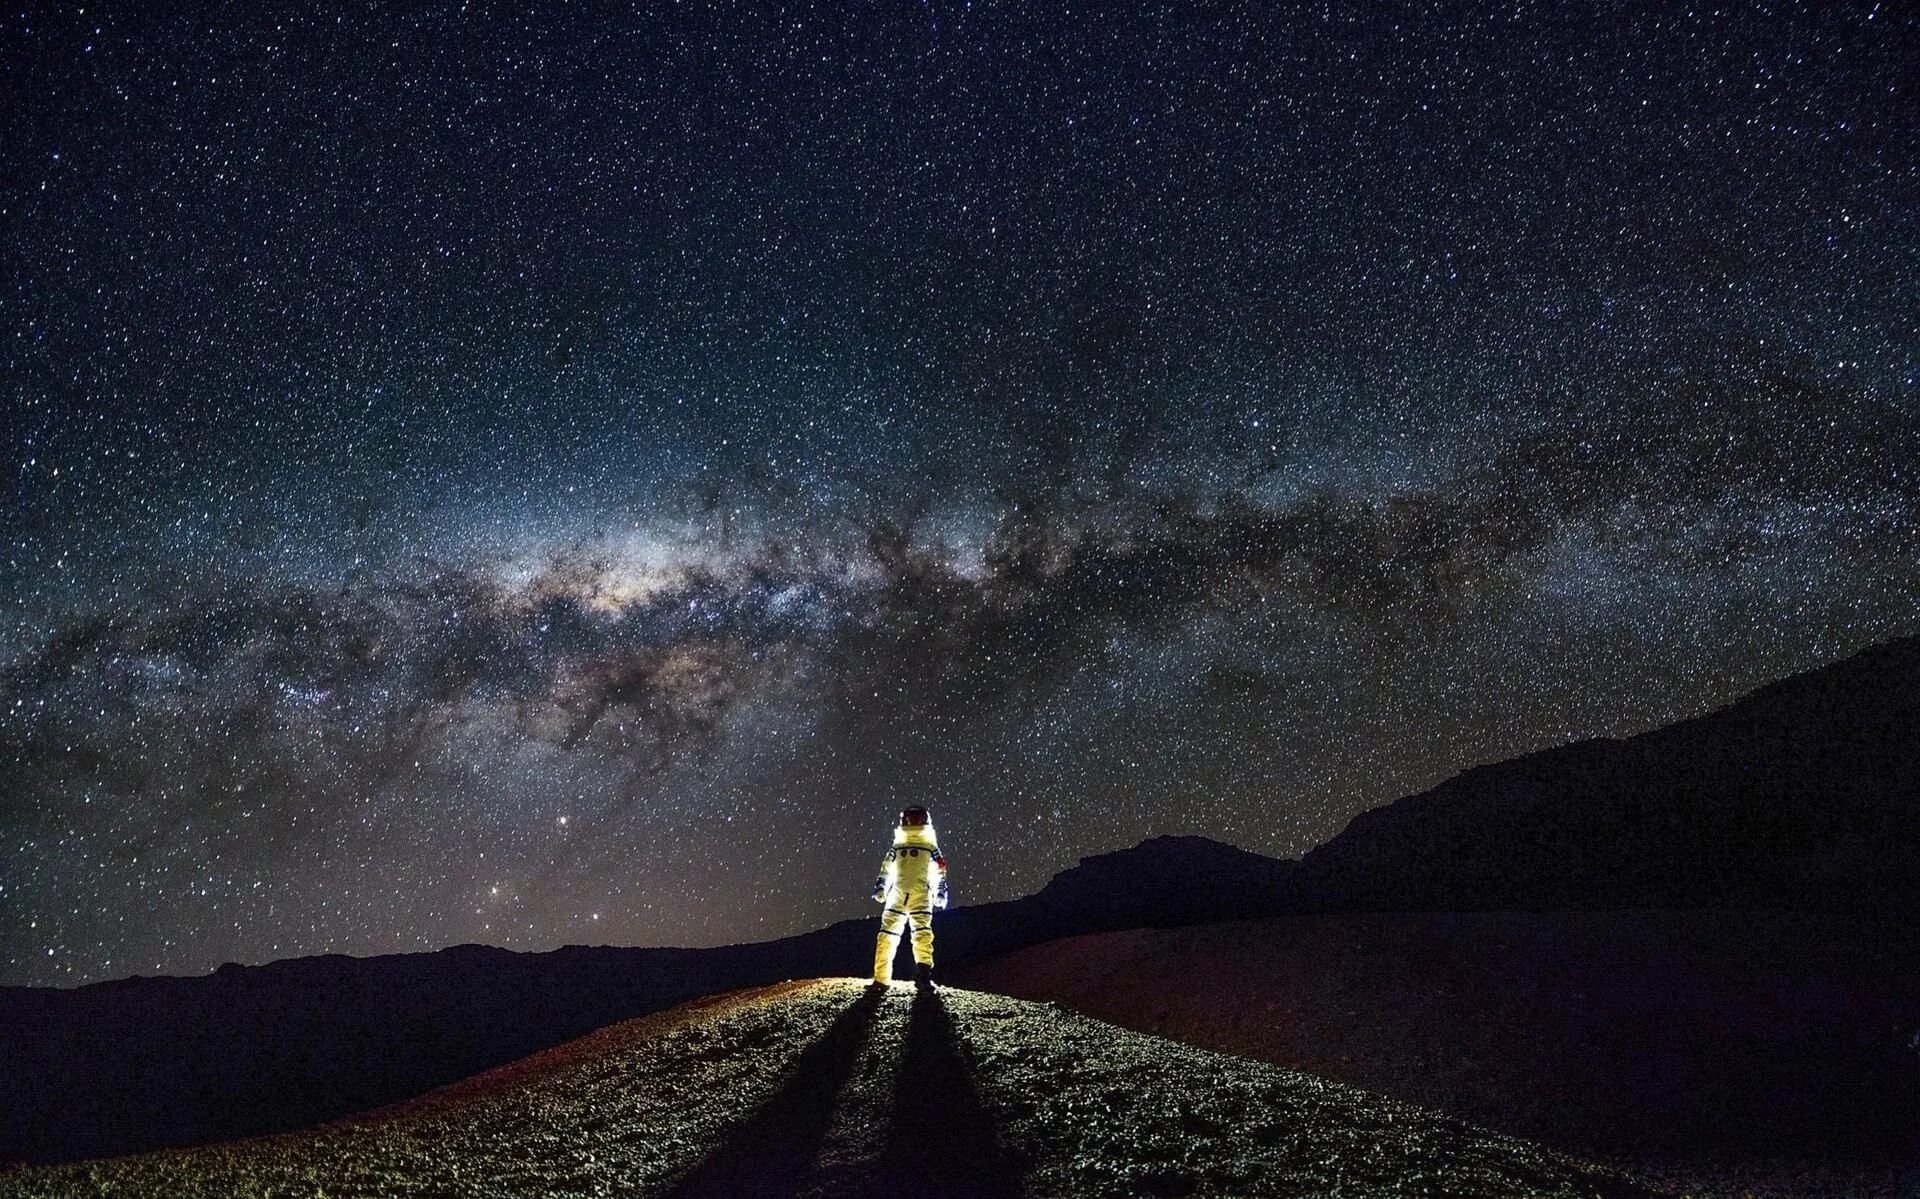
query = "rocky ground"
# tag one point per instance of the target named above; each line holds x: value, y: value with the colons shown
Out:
x: 827, y: 1088
x: 1745, y: 1055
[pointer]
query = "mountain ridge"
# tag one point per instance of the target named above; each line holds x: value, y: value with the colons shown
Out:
x: 1802, y: 794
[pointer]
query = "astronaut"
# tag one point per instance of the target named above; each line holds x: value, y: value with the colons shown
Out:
x: 912, y: 883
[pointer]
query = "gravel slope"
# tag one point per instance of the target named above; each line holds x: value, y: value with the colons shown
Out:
x: 825, y: 1088
x: 615, y: 1112
x: 1750, y: 1055
x: 1091, y: 1109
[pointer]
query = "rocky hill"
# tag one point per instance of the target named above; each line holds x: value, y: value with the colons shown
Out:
x: 139, y: 1063
x: 832, y: 1089
x: 1743, y: 1053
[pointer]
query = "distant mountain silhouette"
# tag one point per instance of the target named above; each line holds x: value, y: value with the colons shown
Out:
x: 1163, y: 882
x: 140, y: 1063
x: 1805, y: 795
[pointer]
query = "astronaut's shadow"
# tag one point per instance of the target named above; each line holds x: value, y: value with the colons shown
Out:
x: 944, y: 1142
x: 775, y: 1148
x: 941, y: 1141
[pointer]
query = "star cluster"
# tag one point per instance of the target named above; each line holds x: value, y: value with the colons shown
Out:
x: 540, y: 477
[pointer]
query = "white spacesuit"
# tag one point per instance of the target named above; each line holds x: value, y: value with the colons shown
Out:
x: 912, y: 883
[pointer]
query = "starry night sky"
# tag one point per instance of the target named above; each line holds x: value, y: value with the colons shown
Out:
x: 475, y: 476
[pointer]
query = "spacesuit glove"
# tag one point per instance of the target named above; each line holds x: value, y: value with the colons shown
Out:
x: 880, y: 890
x: 943, y: 898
